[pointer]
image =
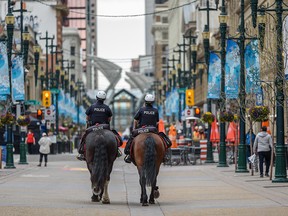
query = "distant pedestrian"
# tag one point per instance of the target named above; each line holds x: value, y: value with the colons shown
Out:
x: 45, y: 143
x: 262, y: 147
x: 248, y: 150
x: 30, y: 141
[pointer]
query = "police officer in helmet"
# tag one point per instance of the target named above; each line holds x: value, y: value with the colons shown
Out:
x: 97, y: 113
x: 146, y: 116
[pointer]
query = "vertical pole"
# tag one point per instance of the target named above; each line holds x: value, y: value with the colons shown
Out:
x: 9, y: 145
x: 242, y: 164
x: 223, y: 28
x: 280, y: 166
x: 47, y: 79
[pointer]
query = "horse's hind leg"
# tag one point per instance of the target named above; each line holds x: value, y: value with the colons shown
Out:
x: 105, y: 198
x: 154, y: 193
x: 144, y: 197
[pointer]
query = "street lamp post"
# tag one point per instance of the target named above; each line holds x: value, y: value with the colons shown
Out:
x: 280, y: 165
x: 206, y: 44
x: 46, y: 38
x: 223, y: 18
x: 10, y: 20
x: 241, y: 163
x: 37, y: 50
x: 26, y: 40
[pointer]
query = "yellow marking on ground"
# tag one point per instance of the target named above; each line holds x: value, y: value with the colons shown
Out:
x: 75, y: 169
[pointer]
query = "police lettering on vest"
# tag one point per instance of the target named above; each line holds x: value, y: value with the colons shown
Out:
x: 149, y: 112
x: 99, y: 109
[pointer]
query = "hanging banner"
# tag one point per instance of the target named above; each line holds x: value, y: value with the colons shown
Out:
x: 252, y: 67
x: 214, y: 77
x: 172, y: 102
x: 18, y: 90
x: 232, y: 70
x: 167, y: 104
x: 4, y: 71
x: 285, y: 46
x: 259, y: 97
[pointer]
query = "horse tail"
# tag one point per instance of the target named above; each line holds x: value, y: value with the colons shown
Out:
x: 149, y: 168
x: 100, y: 168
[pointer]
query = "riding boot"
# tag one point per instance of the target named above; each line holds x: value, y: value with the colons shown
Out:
x: 127, y: 158
x: 81, y: 156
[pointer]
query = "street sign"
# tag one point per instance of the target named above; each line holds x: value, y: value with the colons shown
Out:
x: 49, y: 115
x: 32, y: 102
x: 55, y: 91
x: 181, y: 90
x: 188, y: 112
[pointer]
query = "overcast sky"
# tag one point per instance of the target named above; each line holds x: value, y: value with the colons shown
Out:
x: 120, y: 39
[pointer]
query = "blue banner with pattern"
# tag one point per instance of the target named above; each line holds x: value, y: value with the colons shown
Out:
x: 232, y: 70
x: 4, y: 71
x: 172, y: 102
x: 18, y: 90
x: 214, y: 76
x: 252, y: 67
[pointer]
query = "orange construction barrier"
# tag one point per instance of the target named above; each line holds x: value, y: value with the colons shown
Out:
x: 124, y: 144
x: 203, y: 146
x: 161, y: 127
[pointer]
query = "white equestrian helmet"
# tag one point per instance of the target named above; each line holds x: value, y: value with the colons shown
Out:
x: 149, y: 98
x: 101, y: 95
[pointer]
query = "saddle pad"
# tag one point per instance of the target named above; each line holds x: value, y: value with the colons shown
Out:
x: 97, y: 127
x: 144, y: 130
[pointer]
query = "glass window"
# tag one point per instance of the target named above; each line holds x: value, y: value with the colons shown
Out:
x: 164, y: 19
x: 72, y: 63
x: 72, y: 50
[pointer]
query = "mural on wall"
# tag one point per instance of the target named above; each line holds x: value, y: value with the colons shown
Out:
x: 28, y: 20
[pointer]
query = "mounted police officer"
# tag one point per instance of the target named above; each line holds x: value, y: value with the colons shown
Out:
x: 145, y: 117
x: 97, y: 113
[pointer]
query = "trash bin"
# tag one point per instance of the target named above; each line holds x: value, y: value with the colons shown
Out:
x: 59, y: 147
x: 53, y: 148
x: 4, y: 153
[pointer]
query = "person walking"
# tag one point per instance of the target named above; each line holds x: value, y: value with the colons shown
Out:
x: 30, y: 141
x: 249, y: 147
x: 262, y: 147
x: 45, y: 143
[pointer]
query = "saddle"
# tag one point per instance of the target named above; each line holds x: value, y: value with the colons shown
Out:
x: 166, y: 141
x: 144, y: 130
x: 96, y: 128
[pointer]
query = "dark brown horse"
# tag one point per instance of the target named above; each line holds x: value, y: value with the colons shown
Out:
x: 101, y: 152
x: 148, y: 153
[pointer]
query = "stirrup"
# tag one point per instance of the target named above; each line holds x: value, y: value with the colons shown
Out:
x: 81, y: 157
x: 119, y: 153
x: 127, y: 159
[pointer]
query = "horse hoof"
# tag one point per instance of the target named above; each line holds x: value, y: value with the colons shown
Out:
x: 152, y: 201
x: 145, y: 204
x: 95, y: 198
x: 105, y: 201
x: 156, y: 194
